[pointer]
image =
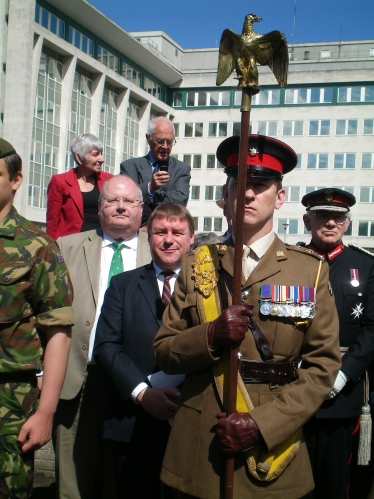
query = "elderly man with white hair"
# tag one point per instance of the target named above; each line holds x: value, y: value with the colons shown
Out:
x: 160, y: 177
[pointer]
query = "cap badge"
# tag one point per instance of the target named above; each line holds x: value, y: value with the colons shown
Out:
x: 329, y: 195
x: 253, y: 152
x: 280, y: 253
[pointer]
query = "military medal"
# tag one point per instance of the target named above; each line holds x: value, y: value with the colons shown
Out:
x: 265, y: 296
x: 312, y: 303
x: 354, y: 278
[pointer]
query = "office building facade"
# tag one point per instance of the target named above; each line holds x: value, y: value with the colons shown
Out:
x: 68, y: 69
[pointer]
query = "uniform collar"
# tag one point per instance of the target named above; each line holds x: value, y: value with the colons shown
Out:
x: 330, y: 255
x: 10, y: 223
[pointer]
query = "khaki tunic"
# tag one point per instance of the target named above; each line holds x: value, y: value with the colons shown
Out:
x: 194, y: 462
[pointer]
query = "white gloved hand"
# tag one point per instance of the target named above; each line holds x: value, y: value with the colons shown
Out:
x: 340, y: 382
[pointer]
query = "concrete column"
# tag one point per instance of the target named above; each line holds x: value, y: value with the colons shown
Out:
x: 123, y: 102
x: 18, y: 93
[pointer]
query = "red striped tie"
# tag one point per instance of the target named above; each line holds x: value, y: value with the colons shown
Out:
x: 166, y: 291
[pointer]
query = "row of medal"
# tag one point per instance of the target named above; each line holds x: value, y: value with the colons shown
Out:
x: 287, y: 301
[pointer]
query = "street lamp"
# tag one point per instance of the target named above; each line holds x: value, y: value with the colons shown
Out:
x: 285, y: 231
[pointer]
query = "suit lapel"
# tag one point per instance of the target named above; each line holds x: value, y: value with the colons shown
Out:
x: 92, y: 252
x: 74, y: 190
x: 149, y: 287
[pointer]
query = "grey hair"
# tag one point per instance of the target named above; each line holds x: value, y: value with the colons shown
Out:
x: 84, y: 143
x: 206, y: 238
x: 153, y: 123
x: 101, y: 193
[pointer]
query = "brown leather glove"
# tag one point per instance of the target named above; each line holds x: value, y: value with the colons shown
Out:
x: 230, y: 327
x: 237, y: 432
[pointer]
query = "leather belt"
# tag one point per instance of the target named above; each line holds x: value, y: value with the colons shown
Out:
x: 257, y: 371
x: 17, y: 377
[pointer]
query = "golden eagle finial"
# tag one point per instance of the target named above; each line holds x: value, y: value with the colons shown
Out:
x: 243, y: 52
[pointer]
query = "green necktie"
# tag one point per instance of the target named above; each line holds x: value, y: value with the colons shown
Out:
x: 116, y: 265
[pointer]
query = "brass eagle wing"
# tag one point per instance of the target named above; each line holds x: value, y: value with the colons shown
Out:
x: 229, y: 50
x: 271, y: 49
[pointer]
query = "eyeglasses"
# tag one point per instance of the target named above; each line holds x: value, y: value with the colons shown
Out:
x: 161, y: 142
x: 127, y: 202
x: 324, y: 218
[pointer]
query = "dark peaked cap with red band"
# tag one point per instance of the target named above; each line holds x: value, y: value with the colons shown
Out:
x: 266, y: 157
x: 329, y: 199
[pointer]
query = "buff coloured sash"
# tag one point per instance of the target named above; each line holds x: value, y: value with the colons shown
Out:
x: 262, y: 464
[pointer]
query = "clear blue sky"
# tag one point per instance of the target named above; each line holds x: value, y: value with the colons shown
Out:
x: 199, y: 23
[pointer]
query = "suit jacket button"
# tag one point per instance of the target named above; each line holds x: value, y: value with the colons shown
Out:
x: 84, y: 346
x: 88, y: 323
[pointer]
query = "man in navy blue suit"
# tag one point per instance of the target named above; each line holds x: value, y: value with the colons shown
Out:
x: 137, y: 423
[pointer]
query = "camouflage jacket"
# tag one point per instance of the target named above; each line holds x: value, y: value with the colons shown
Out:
x: 35, y: 293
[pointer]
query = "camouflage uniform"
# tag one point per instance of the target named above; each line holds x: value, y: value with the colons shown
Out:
x: 35, y: 293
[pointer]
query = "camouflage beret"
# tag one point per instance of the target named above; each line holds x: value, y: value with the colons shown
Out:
x: 6, y: 149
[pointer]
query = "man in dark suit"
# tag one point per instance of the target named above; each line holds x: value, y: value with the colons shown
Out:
x: 160, y: 177
x: 329, y: 433
x: 88, y: 255
x: 130, y: 318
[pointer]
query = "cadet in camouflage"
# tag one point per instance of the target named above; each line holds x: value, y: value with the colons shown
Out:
x: 35, y: 319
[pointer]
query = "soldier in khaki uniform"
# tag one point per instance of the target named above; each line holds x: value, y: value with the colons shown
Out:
x: 35, y: 320
x: 287, y: 294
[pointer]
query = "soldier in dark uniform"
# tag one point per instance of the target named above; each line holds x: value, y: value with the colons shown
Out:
x: 329, y: 433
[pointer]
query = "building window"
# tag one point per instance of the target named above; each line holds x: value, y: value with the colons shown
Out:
x: 367, y: 160
x: 310, y: 188
x: 176, y: 129
x: 212, y: 224
x: 368, y: 127
x: 356, y: 94
x: 50, y: 21
x: 131, y: 74
x: 217, y: 130
x: 212, y: 162
x: 108, y: 126
x: 296, y: 96
x: 152, y: 88
x: 213, y: 98
x: 292, y: 194
x: 196, y: 223
x: 194, y: 160
x: 268, y: 128
x: 213, y: 192
x: 177, y: 99
x: 80, y: 109
x: 293, y: 128
x: 366, y: 228
x: 45, y: 142
x: 236, y: 127
x: 318, y: 160
x: 299, y: 160
x: 366, y: 194
x: 107, y: 58
x: 291, y: 228
x: 319, y: 127
x: 267, y: 97
x: 131, y: 133
x: 193, y: 129
x: 81, y: 41
x: 349, y: 189
x: 345, y: 160
x: 346, y: 127
x: 194, y: 192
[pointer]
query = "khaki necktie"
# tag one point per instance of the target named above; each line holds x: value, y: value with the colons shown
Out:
x: 249, y: 261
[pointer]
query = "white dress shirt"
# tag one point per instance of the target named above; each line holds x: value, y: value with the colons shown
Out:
x: 128, y: 253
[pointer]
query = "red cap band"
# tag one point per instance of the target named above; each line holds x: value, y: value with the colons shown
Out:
x: 260, y: 159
